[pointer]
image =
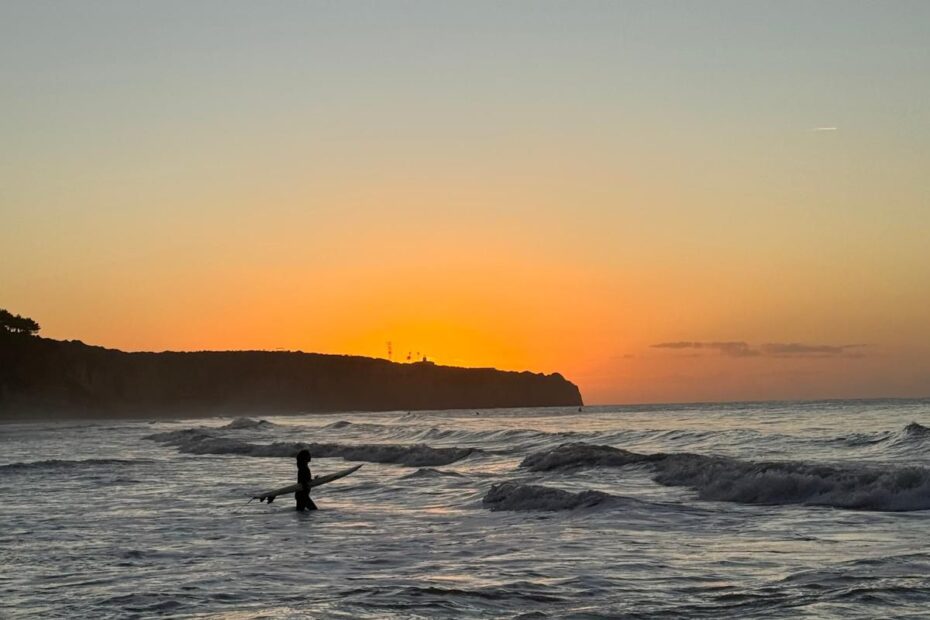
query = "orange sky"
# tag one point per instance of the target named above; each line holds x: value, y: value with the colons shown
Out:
x: 486, y: 187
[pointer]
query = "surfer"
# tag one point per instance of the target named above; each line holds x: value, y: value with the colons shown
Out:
x: 303, y: 478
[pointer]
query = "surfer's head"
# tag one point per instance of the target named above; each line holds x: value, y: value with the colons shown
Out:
x: 303, y: 456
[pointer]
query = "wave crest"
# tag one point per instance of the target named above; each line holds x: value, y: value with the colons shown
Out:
x: 67, y: 464
x: 578, y: 454
x: 916, y: 430
x: 243, y: 423
x: 429, y: 472
x: 519, y: 497
x: 910, y: 436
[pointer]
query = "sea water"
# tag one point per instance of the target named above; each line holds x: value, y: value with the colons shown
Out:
x: 775, y: 510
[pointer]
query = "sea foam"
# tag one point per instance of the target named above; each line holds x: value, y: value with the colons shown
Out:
x: 200, y: 441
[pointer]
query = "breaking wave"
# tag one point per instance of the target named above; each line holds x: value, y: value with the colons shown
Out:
x: 197, y: 441
x: 516, y: 496
x: 911, y: 437
x: 872, y: 487
x: 797, y: 482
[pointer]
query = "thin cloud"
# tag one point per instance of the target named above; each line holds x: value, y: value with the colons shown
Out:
x: 824, y: 128
x: 678, y: 345
x: 769, y: 349
x: 730, y: 348
x: 790, y: 349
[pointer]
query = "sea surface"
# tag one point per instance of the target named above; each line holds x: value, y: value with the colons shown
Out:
x: 771, y: 510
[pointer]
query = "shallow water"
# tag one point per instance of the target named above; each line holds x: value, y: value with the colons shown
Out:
x: 786, y: 510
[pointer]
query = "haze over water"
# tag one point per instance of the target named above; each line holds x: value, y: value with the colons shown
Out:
x: 449, y: 517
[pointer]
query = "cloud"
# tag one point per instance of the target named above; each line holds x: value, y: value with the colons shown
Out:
x: 732, y: 349
x: 677, y: 345
x: 824, y: 128
x: 769, y: 349
x: 796, y: 348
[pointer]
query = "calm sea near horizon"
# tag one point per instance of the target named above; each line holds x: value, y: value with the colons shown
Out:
x: 737, y: 510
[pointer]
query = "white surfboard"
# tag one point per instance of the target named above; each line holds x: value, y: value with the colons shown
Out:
x: 270, y: 495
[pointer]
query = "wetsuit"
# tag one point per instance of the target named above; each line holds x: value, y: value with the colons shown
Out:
x: 303, y: 497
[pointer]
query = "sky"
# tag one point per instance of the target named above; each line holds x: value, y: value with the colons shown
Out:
x: 663, y: 201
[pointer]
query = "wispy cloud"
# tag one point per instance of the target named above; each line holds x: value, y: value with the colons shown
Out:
x: 798, y: 348
x: 733, y: 349
x: 769, y: 349
x: 824, y: 128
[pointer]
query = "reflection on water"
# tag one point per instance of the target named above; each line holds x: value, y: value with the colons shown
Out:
x: 100, y: 522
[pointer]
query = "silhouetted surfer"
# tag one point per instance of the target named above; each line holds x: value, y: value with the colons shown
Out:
x: 303, y: 478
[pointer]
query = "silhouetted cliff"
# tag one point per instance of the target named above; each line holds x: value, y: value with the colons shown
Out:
x: 39, y: 376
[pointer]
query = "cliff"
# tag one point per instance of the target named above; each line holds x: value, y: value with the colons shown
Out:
x: 43, y: 377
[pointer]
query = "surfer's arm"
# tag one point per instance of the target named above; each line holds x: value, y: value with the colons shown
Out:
x: 270, y: 495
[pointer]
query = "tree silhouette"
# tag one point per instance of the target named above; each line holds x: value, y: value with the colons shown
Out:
x: 16, y: 324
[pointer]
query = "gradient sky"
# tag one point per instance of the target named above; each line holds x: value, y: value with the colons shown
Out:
x: 553, y: 186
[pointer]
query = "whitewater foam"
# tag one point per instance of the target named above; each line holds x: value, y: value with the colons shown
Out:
x: 793, y: 482
x: 865, y: 487
x: 199, y: 441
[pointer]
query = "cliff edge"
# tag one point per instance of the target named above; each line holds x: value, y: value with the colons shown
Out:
x: 53, y: 378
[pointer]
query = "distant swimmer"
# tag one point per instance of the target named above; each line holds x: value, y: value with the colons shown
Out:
x: 303, y: 479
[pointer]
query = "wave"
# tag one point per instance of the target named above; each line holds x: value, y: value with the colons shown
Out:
x: 244, y: 423
x: 577, y: 454
x: 912, y: 435
x: 859, y: 440
x: 520, y: 590
x: 455, y: 602
x: 415, y: 455
x: 420, y: 433
x: 519, y: 497
x: 67, y: 464
x: 196, y: 441
x: 339, y: 424
x: 773, y: 483
x: 429, y: 472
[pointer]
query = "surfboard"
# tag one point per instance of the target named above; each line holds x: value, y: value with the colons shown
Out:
x: 270, y: 495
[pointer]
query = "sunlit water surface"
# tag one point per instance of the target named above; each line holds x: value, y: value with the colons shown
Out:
x: 97, y: 520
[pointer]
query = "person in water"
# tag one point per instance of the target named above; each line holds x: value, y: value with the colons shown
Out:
x: 303, y: 478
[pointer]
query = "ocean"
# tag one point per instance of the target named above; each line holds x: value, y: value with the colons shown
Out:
x: 749, y: 510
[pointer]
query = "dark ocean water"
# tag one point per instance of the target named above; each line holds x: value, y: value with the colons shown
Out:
x: 773, y: 510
